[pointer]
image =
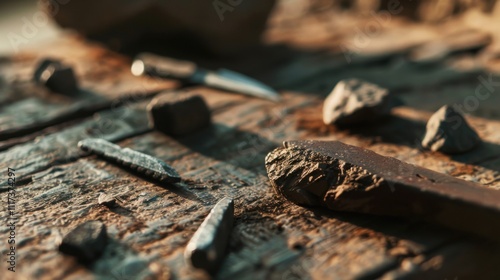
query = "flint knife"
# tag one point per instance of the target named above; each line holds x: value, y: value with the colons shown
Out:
x: 186, y: 71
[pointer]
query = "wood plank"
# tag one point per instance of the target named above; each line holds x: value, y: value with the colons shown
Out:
x: 104, y: 78
x: 113, y: 124
x: 61, y: 147
x: 271, y: 235
x: 57, y: 200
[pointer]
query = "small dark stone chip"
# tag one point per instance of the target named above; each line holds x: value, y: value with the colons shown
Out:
x: 56, y: 76
x: 354, y: 101
x: 178, y: 115
x: 86, y: 242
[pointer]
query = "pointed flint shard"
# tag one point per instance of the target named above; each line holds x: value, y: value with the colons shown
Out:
x: 142, y: 163
x: 235, y: 82
x: 206, y: 248
x: 252, y: 85
x: 448, y: 132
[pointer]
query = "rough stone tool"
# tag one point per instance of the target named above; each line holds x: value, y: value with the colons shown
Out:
x: 342, y: 177
x: 128, y: 158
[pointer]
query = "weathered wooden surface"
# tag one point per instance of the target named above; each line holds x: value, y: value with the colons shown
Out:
x: 106, y: 82
x: 58, y: 188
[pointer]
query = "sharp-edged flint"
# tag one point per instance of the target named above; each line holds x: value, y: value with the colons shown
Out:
x: 142, y: 163
x: 347, y: 178
x: 231, y: 81
x: 206, y: 248
x: 164, y: 67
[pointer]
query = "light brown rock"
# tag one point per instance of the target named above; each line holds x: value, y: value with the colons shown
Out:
x: 448, y: 132
x: 354, y: 101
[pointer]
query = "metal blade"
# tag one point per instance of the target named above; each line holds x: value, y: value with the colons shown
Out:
x: 243, y: 78
x: 232, y: 81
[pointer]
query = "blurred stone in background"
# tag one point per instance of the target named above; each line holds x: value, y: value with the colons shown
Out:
x: 221, y: 25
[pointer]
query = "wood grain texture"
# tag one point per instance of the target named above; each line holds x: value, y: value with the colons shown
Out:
x: 272, y: 238
x: 61, y: 147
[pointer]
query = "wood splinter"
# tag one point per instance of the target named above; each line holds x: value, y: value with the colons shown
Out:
x: 206, y: 248
x: 347, y: 178
x: 178, y: 115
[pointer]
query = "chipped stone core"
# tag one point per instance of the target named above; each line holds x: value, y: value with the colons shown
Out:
x: 312, y: 179
x: 447, y: 131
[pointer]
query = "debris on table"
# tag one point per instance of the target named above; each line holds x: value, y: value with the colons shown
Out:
x: 207, y: 247
x: 86, y: 242
x: 56, y: 76
x: 178, y: 114
x: 353, y: 101
x: 448, y: 132
x: 142, y: 163
x: 348, y: 178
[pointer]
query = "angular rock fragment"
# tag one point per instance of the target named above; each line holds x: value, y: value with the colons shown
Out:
x: 354, y: 101
x: 448, y: 132
x: 178, y: 115
x: 139, y: 162
x: 56, y: 76
x: 348, y: 178
x: 206, y: 248
x: 86, y: 242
